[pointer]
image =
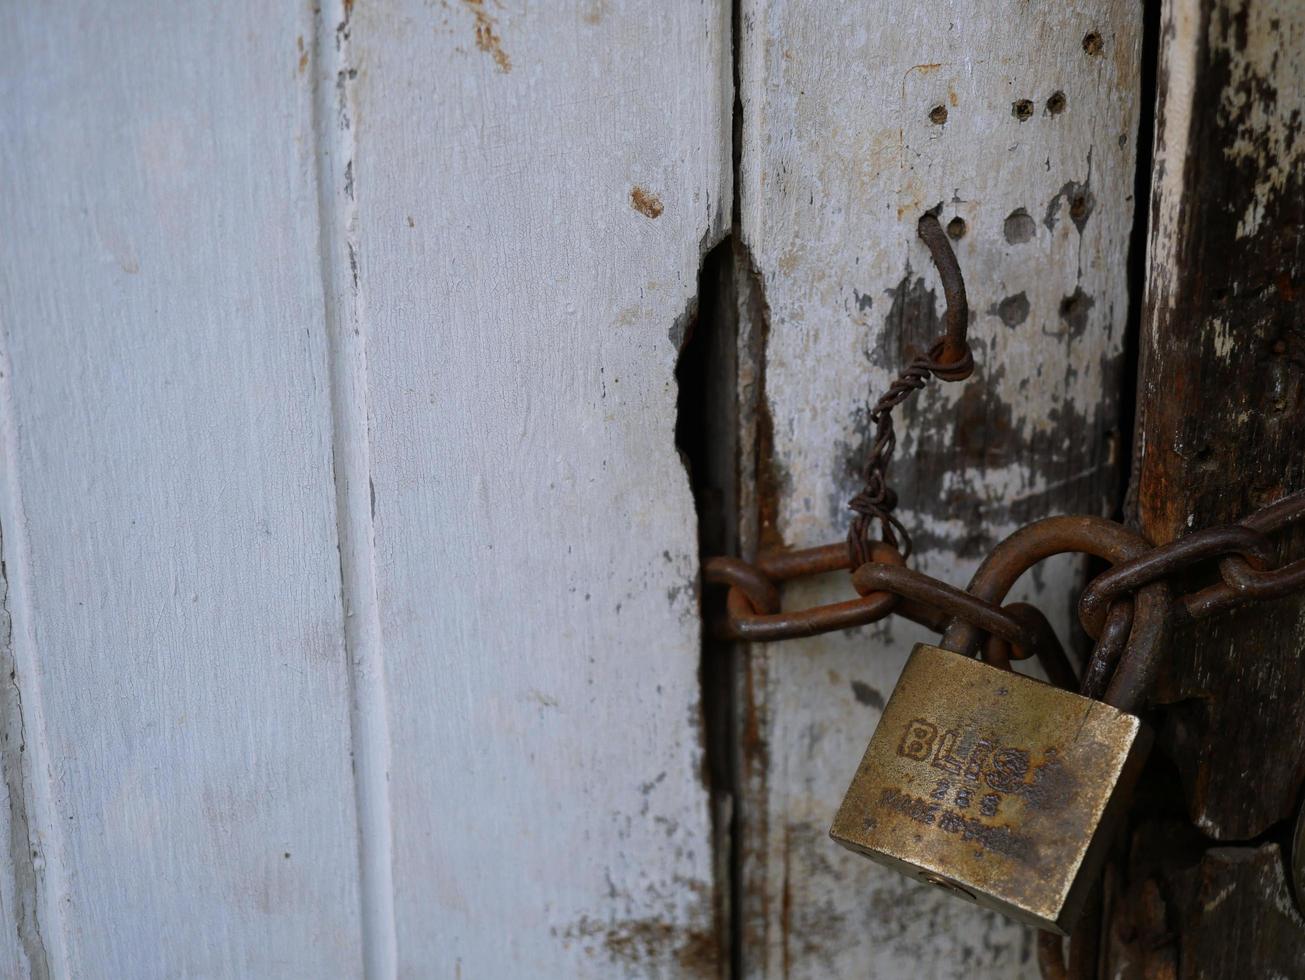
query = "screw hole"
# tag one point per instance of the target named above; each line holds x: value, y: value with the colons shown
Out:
x: 1056, y: 104
x: 1021, y: 109
x: 1092, y: 43
x: 938, y: 114
x: 956, y: 228
x: 1019, y: 226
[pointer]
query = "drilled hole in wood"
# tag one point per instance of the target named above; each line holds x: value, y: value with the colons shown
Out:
x: 956, y: 228
x: 1078, y: 208
x: 1056, y: 104
x: 1019, y: 226
x: 1092, y: 43
x: 1021, y: 109
x: 938, y: 114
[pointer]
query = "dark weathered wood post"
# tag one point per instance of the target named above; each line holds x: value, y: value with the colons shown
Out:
x: 1221, y: 430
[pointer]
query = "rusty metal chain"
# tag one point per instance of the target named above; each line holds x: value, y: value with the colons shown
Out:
x: 1134, y: 594
x: 948, y: 359
x: 1131, y: 600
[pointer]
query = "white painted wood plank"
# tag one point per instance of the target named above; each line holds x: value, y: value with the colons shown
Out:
x: 840, y: 158
x: 169, y: 467
x: 22, y: 952
x: 351, y: 448
x: 534, y: 184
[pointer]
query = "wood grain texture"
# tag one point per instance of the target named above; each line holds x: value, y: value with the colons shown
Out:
x: 1222, y: 387
x: 854, y: 123
x: 1237, y: 917
x: 169, y: 499
x: 534, y: 186
x: 347, y: 546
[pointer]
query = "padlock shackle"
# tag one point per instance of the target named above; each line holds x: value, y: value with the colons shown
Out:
x: 1088, y: 535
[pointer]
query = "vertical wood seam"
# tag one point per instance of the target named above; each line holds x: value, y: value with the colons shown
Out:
x: 354, y: 493
x: 38, y: 869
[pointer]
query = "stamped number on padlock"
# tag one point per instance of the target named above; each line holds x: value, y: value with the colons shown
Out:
x: 995, y: 786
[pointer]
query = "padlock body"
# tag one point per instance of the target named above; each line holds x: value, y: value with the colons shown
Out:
x: 995, y: 786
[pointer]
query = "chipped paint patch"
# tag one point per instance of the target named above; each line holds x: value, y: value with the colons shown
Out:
x: 1223, y: 336
x: 1012, y: 310
x: 867, y: 695
x: 1214, y: 902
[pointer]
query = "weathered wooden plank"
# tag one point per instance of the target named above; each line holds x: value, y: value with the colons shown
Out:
x: 169, y: 494
x: 1020, y: 122
x: 1222, y: 387
x: 534, y: 187
x: 1220, y: 400
x: 1260, y: 932
x: 1185, y: 911
x: 22, y: 950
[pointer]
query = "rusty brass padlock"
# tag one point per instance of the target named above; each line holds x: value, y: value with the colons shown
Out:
x: 992, y: 785
x: 995, y: 786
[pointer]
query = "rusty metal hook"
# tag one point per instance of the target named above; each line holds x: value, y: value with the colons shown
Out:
x: 949, y: 359
x: 953, y: 360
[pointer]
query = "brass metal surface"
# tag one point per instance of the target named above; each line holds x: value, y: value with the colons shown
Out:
x: 995, y: 786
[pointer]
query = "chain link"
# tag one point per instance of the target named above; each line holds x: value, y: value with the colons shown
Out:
x: 1242, y: 555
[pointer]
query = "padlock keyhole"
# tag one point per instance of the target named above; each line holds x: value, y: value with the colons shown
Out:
x: 946, y: 885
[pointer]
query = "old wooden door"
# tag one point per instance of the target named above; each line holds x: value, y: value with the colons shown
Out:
x: 374, y: 376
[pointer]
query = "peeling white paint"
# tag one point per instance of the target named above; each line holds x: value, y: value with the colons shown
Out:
x: 1213, y: 903
x: 1181, y: 24
x: 1261, y: 64
x: 1223, y: 337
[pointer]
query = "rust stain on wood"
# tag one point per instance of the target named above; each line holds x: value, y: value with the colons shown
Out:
x: 647, y: 942
x: 487, y: 36
x: 646, y: 203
